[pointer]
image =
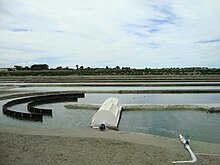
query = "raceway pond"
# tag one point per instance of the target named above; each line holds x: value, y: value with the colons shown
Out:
x: 196, y: 125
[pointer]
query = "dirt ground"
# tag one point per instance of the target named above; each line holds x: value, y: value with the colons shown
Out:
x: 23, y: 145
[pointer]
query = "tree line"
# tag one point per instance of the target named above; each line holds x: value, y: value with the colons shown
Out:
x: 44, y: 70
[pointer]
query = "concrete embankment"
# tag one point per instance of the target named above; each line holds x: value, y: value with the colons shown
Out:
x: 148, y: 107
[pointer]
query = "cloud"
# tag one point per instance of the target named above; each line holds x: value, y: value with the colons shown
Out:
x: 19, y: 30
x: 154, y: 45
x: 156, y: 22
x: 153, y: 30
x: 208, y: 41
x: 103, y: 33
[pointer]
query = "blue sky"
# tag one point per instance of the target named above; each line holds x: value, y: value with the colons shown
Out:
x: 99, y: 33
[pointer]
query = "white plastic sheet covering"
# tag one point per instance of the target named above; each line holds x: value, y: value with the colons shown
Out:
x: 108, y: 114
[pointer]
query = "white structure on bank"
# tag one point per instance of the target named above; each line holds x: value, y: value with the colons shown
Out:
x: 108, y: 114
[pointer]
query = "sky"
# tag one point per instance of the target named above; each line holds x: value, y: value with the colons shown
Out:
x: 100, y: 33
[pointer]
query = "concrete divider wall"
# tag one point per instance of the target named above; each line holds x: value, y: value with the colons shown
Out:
x: 36, y: 114
x: 52, y: 99
x: 23, y: 115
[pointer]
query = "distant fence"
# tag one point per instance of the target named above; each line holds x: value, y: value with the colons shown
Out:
x: 34, y: 113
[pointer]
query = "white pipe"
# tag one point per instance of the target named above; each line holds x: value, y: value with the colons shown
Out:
x: 187, y: 147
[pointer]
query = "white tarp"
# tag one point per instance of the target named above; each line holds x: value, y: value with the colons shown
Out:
x: 108, y: 114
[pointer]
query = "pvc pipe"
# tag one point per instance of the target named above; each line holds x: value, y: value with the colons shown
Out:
x: 187, y: 147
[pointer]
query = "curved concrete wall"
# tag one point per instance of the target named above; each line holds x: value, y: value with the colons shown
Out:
x: 36, y: 114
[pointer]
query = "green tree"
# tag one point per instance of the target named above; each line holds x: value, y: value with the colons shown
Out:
x: 59, y: 68
x: 17, y: 67
x: 39, y: 67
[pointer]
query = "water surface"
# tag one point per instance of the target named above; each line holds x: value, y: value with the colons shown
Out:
x: 193, y: 124
x: 196, y: 125
x: 111, y: 88
x: 153, y: 98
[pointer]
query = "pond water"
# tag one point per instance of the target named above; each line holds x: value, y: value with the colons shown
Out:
x: 61, y: 118
x: 101, y: 88
x: 153, y: 98
x: 107, y: 83
x: 195, y: 125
